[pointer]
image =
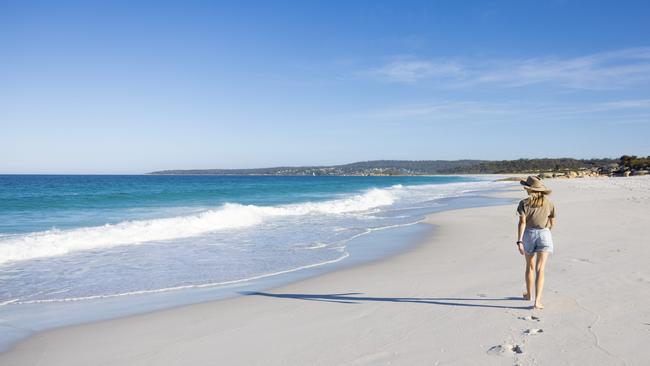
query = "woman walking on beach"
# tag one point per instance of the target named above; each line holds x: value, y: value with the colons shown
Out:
x: 534, y: 239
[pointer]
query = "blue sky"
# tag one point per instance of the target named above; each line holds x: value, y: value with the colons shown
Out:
x: 136, y: 86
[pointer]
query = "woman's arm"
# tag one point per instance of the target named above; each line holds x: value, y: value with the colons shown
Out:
x: 520, y: 233
x: 551, y: 223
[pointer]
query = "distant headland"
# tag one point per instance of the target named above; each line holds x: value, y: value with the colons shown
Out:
x: 625, y: 165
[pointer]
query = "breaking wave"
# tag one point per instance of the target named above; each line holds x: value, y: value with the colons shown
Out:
x: 228, y: 216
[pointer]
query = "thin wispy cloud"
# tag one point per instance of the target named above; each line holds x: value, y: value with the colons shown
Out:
x: 477, y: 112
x: 608, y: 70
x: 625, y: 104
x: 413, y: 70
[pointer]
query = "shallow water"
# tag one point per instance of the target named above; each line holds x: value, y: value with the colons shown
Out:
x: 79, y: 248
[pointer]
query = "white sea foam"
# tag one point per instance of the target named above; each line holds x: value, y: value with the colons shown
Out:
x: 229, y: 216
x: 341, y: 248
x: 175, y: 288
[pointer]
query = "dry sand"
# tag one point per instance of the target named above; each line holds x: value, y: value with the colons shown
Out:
x: 451, y: 301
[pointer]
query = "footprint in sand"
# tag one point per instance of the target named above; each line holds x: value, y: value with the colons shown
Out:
x: 583, y: 260
x: 533, y: 331
x: 531, y: 318
x: 505, y: 350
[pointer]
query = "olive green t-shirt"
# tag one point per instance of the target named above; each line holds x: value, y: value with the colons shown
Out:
x: 536, y: 217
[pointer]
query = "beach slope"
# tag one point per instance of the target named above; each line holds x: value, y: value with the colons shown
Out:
x: 454, y: 300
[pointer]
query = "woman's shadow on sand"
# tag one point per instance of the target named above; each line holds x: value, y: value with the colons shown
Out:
x: 356, y: 298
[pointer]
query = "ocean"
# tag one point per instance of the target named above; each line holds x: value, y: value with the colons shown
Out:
x: 89, y: 239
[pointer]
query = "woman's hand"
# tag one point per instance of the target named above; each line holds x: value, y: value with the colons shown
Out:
x: 521, y: 227
x: 520, y: 246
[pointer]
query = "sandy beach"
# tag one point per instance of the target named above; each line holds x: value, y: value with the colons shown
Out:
x: 453, y: 300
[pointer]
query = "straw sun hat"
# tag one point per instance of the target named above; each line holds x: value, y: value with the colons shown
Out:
x: 534, y: 184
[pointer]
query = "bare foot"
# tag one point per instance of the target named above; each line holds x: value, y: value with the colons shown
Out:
x: 538, y: 306
x: 526, y: 296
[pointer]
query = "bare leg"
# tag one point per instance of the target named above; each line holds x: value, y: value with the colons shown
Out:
x: 530, y: 273
x: 539, y: 283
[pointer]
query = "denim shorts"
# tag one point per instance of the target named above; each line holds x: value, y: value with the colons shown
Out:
x: 538, y: 240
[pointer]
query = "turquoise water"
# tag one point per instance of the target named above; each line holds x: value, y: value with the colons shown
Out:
x: 30, y: 203
x: 66, y: 238
x: 77, y: 248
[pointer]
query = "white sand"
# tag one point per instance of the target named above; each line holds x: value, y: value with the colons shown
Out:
x: 443, y: 303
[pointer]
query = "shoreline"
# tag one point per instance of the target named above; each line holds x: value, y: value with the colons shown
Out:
x: 29, y: 320
x: 441, y: 301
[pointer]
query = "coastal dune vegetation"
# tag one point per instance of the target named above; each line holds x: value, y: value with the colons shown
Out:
x: 553, y: 167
